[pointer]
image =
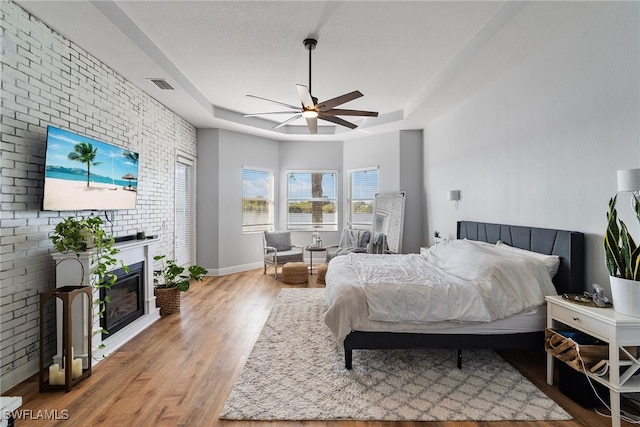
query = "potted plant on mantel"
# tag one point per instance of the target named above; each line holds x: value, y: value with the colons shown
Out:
x: 79, y: 234
x: 172, y: 279
x: 622, y: 257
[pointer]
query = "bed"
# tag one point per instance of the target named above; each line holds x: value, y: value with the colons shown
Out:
x: 348, y: 313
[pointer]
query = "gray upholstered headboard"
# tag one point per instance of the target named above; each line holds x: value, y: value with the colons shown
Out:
x: 568, y: 245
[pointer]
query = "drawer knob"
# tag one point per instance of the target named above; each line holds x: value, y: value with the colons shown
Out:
x: 576, y: 318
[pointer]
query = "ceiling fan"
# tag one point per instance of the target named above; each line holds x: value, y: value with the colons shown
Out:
x: 311, y: 109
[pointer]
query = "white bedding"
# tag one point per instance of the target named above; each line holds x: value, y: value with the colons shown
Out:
x: 456, y: 283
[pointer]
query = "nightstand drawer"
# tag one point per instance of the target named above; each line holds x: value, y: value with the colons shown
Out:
x: 579, y: 321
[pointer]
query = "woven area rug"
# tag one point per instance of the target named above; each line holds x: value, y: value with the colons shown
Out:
x: 296, y: 372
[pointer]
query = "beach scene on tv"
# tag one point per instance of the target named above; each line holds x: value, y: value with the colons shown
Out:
x: 84, y: 174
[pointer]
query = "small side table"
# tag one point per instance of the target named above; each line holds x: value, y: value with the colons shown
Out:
x: 311, y: 250
x: 606, y: 324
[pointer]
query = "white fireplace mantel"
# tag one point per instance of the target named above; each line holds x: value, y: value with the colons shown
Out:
x: 69, y: 273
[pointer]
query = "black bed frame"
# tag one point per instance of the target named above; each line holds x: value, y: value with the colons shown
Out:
x: 568, y: 245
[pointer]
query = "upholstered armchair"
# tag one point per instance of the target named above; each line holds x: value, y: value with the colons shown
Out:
x: 278, y: 249
x: 350, y: 241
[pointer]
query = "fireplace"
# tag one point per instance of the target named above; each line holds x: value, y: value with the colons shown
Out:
x: 135, y: 253
x: 125, y: 299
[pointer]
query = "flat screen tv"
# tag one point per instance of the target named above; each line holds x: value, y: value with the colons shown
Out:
x: 84, y: 174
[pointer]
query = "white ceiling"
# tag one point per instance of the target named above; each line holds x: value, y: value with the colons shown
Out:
x: 411, y: 60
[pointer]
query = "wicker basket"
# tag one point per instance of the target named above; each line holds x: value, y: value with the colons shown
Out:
x: 168, y: 299
x: 295, y: 273
x: 322, y: 272
x: 564, y: 349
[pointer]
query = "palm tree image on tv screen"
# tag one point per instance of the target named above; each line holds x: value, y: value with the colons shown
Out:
x: 82, y: 173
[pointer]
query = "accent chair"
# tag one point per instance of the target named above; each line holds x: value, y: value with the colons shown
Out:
x: 278, y: 249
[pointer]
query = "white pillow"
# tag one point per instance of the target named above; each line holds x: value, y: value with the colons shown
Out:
x: 479, y: 242
x: 552, y: 262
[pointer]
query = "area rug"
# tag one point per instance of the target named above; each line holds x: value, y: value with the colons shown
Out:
x: 296, y: 372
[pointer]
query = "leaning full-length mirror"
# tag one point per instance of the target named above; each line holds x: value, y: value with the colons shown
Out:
x: 388, y: 222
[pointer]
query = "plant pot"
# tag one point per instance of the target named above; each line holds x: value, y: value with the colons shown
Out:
x: 88, y: 238
x: 626, y: 296
x: 168, y: 299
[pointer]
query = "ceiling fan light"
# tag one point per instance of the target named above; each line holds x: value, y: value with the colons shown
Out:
x: 310, y: 114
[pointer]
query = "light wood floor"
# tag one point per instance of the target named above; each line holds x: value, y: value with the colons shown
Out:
x: 180, y: 370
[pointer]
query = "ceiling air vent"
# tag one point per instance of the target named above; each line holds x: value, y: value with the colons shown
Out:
x: 162, y: 84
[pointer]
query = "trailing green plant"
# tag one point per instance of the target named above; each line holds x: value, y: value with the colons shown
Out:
x: 622, y: 255
x: 79, y: 234
x: 172, y: 275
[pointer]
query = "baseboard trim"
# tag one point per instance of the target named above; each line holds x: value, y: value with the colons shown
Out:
x: 234, y: 269
x: 16, y: 376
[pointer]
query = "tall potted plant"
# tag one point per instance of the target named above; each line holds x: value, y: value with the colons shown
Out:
x: 622, y: 257
x: 170, y: 280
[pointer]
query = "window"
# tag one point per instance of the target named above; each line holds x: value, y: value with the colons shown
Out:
x: 363, y: 186
x: 184, y: 210
x: 257, y: 200
x: 312, y: 201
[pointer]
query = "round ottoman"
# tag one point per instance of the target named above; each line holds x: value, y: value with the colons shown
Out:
x: 322, y: 271
x: 295, y: 273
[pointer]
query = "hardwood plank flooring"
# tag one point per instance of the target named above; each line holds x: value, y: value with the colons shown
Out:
x: 179, y: 371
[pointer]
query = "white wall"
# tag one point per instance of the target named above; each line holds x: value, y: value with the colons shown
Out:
x: 48, y: 80
x: 540, y: 143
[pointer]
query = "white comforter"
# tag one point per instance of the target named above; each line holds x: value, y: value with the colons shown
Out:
x: 456, y: 281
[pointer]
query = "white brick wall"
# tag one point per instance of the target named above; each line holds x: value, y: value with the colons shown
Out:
x: 48, y: 80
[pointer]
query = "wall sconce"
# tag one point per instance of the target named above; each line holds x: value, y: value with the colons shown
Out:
x: 454, y: 196
x: 629, y: 180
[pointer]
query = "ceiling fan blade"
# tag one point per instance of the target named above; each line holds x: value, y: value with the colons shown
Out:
x: 337, y: 120
x: 312, y: 123
x: 330, y: 103
x: 273, y: 112
x: 305, y: 97
x: 339, y: 112
x: 290, y: 119
x: 295, y: 107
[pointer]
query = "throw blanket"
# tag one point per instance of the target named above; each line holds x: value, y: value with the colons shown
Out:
x: 353, y: 241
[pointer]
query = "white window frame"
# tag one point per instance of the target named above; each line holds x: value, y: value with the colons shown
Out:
x: 325, y: 226
x: 185, y: 251
x: 351, y: 199
x: 269, y: 225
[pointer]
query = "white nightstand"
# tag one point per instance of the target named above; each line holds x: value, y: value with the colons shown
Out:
x: 606, y: 324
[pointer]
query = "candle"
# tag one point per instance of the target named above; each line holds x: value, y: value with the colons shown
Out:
x: 77, y: 368
x: 53, y: 374
x: 61, y: 378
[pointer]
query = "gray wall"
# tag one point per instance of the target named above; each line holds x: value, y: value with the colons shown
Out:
x: 208, y: 198
x: 223, y: 249
x: 222, y: 155
x: 399, y: 158
x: 539, y: 144
x: 410, y: 169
